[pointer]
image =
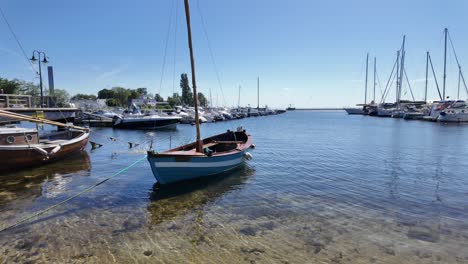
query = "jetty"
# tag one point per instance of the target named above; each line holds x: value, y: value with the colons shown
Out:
x: 25, y: 105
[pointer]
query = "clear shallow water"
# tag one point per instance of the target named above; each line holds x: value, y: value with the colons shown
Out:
x: 322, y: 187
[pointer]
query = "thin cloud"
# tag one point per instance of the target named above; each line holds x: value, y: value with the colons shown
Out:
x: 112, y: 73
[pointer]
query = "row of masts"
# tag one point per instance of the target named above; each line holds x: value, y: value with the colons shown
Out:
x: 400, y: 73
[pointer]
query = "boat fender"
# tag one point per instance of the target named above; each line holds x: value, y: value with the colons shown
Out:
x: 42, y: 151
x: 252, y: 146
x: 55, y: 150
x: 248, y: 156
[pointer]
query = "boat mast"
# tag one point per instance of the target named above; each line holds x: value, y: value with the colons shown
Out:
x: 199, y: 143
x: 427, y: 72
x: 375, y: 70
x: 258, y: 92
x: 367, y: 71
x: 445, y: 64
x: 238, y: 101
x: 402, y: 68
x: 397, y: 76
x: 459, y: 77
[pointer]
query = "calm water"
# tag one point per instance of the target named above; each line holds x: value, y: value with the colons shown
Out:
x: 322, y: 188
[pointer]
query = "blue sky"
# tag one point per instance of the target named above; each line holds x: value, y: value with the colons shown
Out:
x: 306, y: 53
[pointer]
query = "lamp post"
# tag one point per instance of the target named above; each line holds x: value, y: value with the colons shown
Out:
x: 44, y: 60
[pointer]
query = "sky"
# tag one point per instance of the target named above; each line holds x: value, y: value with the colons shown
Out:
x: 306, y: 53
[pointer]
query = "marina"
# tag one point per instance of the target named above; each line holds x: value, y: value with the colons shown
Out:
x: 151, y: 140
x: 390, y: 191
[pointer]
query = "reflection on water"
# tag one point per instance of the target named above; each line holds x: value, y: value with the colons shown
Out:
x: 168, y: 202
x: 321, y: 188
x: 50, y: 180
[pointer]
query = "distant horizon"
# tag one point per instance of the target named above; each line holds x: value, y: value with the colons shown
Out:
x: 306, y: 54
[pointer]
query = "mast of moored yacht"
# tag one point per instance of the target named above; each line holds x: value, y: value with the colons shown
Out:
x: 238, y: 100
x: 199, y: 143
x: 367, y: 71
x: 375, y: 70
x: 445, y: 64
x: 402, y: 68
x: 258, y: 92
x: 427, y: 72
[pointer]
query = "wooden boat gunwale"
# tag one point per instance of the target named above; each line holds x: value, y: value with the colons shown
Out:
x: 178, y: 152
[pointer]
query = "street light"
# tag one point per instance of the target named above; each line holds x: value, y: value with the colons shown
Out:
x: 44, y: 60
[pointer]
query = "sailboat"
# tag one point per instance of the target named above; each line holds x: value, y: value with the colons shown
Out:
x: 204, y: 157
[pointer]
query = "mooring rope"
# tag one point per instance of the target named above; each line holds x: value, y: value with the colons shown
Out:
x: 73, y: 197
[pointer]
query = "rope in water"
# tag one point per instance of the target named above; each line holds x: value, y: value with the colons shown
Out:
x: 73, y: 197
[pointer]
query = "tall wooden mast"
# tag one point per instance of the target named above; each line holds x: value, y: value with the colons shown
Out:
x: 199, y: 143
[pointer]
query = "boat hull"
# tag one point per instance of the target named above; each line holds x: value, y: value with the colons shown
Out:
x: 453, y: 117
x: 169, y: 170
x: 221, y: 153
x: 145, y: 123
x: 354, y: 111
x: 22, y: 156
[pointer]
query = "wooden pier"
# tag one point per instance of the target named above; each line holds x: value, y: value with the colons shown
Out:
x: 25, y: 105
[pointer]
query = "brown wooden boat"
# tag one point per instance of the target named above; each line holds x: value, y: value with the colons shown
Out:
x: 22, y: 147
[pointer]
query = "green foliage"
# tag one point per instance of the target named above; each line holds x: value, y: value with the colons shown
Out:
x: 112, y: 102
x: 122, y: 95
x: 158, y: 98
x: 174, y: 100
x: 9, y: 87
x: 187, y: 95
x: 105, y: 94
x: 142, y: 91
x: 163, y: 107
x: 61, y: 97
x: 202, y: 100
x: 84, y: 97
x: 29, y: 88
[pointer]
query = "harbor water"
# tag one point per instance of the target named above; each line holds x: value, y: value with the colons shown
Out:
x: 322, y: 187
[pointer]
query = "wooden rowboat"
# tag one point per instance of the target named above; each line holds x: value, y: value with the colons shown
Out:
x: 22, y: 147
x: 221, y: 153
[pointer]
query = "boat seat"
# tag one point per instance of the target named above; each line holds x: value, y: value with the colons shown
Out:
x: 207, y: 145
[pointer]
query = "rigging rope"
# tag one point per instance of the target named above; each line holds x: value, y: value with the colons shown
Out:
x: 175, y: 47
x: 458, y: 63
x: 409, y: 85
x: 71, y: 198
x: 165, y: 48
x: 211, y: 52
x: 18, y: 42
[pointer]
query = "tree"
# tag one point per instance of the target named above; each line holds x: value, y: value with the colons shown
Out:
x: 174, y: 100
x: 202, y: 100
x: 29, y: 88
x: 9, y: 87
x: 158, y: 98
x: 142, y: 91
x: 112, y: 102
x: 61, y: 97
x: 84, y: 97
x: 187, y: 95
x: 121, y: 95
x: 106, y: 94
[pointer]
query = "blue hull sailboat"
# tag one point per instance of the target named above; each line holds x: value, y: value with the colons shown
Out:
x: 221, y: 153
x: 207, y: 157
